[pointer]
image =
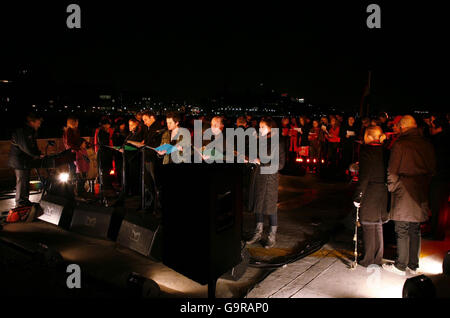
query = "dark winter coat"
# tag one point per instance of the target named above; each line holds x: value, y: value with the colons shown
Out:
x: 264, y: 195
x: 372, y: 185
x: 24, y: 149
x: 153, y: 138
x: 411, y: 165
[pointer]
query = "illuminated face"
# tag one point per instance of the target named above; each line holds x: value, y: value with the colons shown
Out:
x: 171, y: 124
x: 35, y: 124
x: 315, y: 124
x: 302, y: 121
x: 148, y: 120
x: 396, y: 128
x: 216, y: 126
x: 351, y: 121
x: 333, y: 121
x: 263, y: 129
x: 72, y: 124
x: 132, y: 125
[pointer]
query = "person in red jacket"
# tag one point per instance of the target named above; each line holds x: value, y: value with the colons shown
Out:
x: 333, y: 141
x: 293, y: 134
x: 314, y: 141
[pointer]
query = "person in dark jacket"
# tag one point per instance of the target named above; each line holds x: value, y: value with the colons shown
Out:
x: 303, y: 132
x: 371, y: 195
x: 23, y: 156
x: 266, y: 184
x: 133, y: 158
x: 412, y: 164
x: 152, y: 138
x: 103, y: 140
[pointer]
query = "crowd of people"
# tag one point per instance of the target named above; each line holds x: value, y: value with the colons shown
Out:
x: 403, y: 155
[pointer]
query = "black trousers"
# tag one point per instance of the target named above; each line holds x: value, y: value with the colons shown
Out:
x: 373, y: 244
x: 408, y: 245
x: 22, y: 186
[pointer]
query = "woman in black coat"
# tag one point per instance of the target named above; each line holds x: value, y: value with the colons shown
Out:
x: 371, y: 195
x: 265, y: 191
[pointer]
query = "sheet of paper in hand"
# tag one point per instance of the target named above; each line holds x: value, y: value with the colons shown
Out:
x: 213, y: 154
x: 168, y: 148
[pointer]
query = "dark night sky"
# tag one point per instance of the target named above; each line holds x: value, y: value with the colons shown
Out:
x: 194, y: 51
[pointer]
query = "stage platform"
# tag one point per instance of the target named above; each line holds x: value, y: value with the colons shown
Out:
x: 308, y: 209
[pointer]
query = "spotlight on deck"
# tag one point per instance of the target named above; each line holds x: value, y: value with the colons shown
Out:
x: 63, y: 177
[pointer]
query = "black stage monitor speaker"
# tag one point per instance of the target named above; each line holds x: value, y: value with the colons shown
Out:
x: 141, y: 232
x: 95, y: 220
x: 202, y: 219
x: 56, y: 210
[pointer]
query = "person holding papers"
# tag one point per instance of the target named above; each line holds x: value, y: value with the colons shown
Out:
x: 133, y: 159
x: 217, y: 129
x: 171, y: 137
x: 265, y: 197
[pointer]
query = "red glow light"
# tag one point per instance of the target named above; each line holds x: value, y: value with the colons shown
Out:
x: 314, y: 160
x: 307, y: 160
x: 112, y: 172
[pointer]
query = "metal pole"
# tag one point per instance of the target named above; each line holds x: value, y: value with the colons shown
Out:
x: 124, y: 173
x: 355, y: 239
x: 142, y: 179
